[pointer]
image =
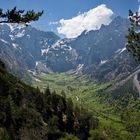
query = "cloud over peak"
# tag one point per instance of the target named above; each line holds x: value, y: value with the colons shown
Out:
x: 91, y: 20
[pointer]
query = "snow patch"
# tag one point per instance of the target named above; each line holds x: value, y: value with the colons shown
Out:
x: 59, y: 43
x: 4, y: 41
x: 15, y: 45
x: 36, y: 63
x: 123, y: 49
x: 37, y: 80
x: 44, y: 51
x: 20, y: 34
x: 70, y: 48
x: 12, y: 37
x: 28, y: 36
x: 80, y: 67
x: 103, y: 61
x: 14, y: 26
x: 32, y: 72
x: 119, y: 51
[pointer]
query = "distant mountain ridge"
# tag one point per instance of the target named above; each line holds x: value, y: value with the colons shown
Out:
x: 22, y: 46
x: 97, y: 53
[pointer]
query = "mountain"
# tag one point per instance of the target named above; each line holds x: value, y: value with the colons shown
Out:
x: 109, y: 59
x: 30, y: 45
x: 99, y: 53
x: 117, y: 67
x: 90, y: 48
x: 22, y: 47
x: 111, y: 93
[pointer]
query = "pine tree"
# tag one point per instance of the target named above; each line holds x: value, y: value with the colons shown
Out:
x: 19, y: 16
x: 133, y: 37
x: 47, y: 91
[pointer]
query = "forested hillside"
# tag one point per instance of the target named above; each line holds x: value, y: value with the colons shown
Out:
x: 28, y: 113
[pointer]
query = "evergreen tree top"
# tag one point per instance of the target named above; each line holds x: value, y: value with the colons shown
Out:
x: 19, y: 16
x: 133, y: 37
x: 134, y: 18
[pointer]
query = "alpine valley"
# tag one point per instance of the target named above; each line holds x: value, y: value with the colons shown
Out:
x: 94, y: 70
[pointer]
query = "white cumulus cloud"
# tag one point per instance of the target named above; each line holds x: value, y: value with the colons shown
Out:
x: 91, y: 20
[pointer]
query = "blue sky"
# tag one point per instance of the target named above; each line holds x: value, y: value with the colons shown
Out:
x: 55, y: 10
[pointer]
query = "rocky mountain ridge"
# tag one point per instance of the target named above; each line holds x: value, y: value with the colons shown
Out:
x: 99, y: 53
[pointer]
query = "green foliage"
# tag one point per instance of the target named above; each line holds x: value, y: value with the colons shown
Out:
x: 28, y: 113
x: 69, y: 137
x: 96, y: 135
x: 133, y: 37
x: 102, y: 103
x: 19, y: 16
x: 130, y: 118
x: 3, y: 134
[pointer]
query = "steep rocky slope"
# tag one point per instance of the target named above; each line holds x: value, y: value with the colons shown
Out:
x: 21, y: 47
x: 28, y: 47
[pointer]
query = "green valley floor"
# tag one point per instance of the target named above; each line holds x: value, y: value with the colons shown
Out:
x: 85, y: 93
